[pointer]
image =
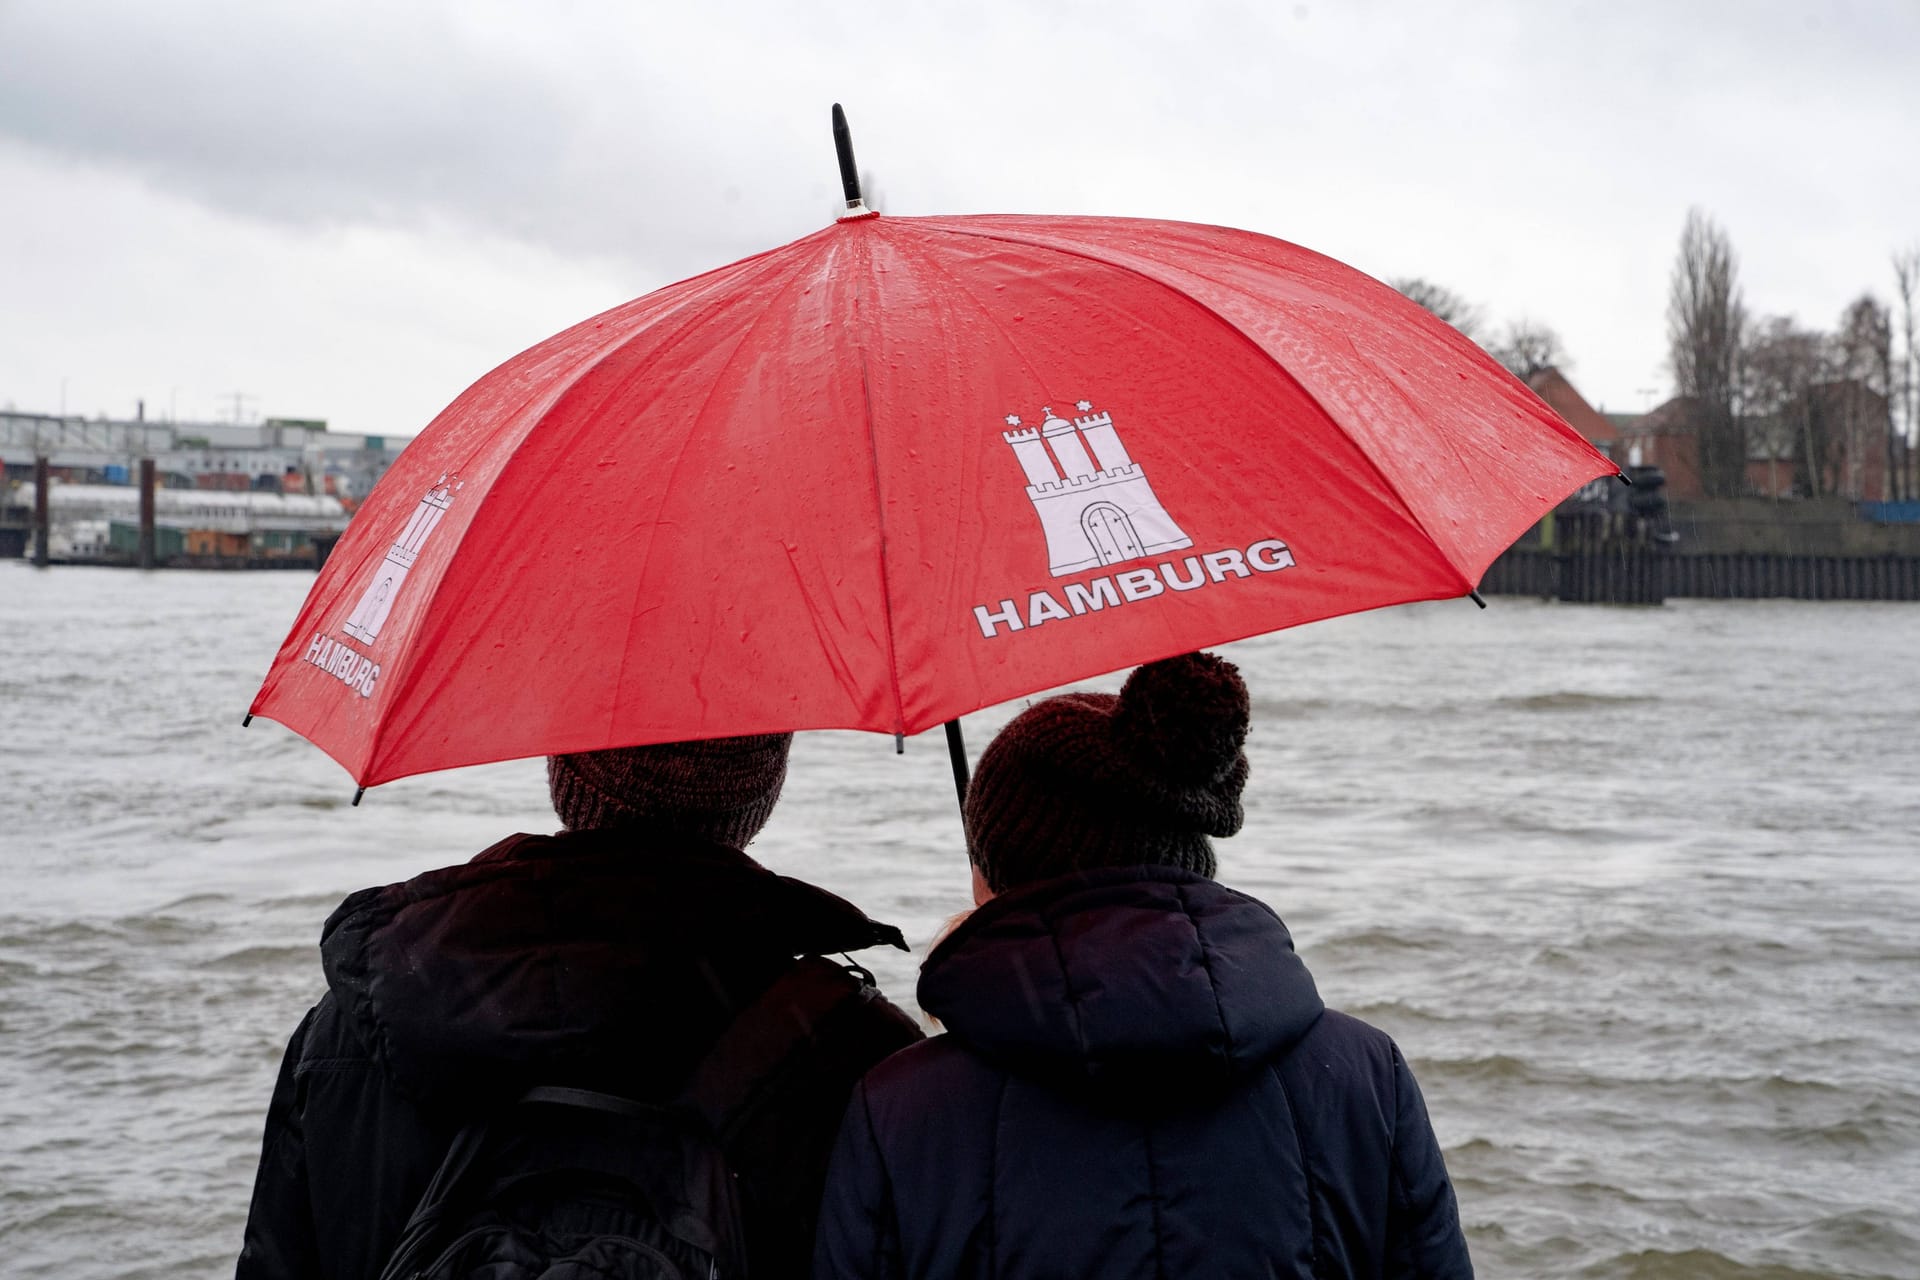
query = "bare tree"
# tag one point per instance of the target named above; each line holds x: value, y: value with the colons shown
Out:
x: 1863, y: 350
x: 1906, y: 275
x: 1443, y: 302
x: 1779, y: 369
x: 1705, y: 318
x: 1527, y: 346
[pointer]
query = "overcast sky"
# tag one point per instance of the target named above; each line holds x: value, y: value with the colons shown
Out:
x: 350, y: 211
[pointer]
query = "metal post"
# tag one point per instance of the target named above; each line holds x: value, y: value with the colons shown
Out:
x: 146, y: 513
x: 42, y: 525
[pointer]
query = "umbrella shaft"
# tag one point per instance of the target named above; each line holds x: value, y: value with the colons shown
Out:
x: 957, y: 751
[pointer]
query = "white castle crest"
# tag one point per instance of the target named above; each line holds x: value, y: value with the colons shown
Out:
x: 376, y: 602
x: 1092, y: 515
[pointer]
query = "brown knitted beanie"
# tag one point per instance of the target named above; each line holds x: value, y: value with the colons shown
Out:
x: 722, y: 789
x: 1087, y: 780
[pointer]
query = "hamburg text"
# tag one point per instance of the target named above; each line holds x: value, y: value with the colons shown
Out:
x: 354, y: 670
x: 1269, y: 555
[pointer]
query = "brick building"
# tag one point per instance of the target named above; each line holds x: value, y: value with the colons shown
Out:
x: 1843, y: 423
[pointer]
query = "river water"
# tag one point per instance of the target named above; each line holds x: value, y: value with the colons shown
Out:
x: 1636, y: 890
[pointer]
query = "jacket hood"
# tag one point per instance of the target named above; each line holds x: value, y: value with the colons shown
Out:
x: 547, y: 958
x: 1131, y: 980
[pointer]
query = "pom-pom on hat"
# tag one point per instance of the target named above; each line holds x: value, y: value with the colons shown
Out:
x: 1086, y: 780
x: 721, y: 789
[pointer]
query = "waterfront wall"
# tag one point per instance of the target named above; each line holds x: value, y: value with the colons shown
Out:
x: 1630, y: 574
x: 1800, y: 527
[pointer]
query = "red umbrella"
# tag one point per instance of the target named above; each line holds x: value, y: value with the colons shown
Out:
x: 902, y: 469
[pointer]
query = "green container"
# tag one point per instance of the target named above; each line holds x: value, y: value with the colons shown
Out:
x: 124, y: 537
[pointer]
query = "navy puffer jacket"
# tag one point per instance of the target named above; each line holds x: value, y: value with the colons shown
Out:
x: 1138, y: 1080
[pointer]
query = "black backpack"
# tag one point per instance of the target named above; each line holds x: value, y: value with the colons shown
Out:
x: 567, y: 1184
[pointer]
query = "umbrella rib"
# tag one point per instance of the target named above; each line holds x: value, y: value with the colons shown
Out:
x: 879, y: 501
x: 886, y: 580
x: 686, y: 442
x: 1406, y: 507
x: 960, y: 285
x: 962, y: 289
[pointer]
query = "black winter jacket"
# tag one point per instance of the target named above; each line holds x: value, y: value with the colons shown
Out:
x: 1138, y: 1080
x: 603, y: 960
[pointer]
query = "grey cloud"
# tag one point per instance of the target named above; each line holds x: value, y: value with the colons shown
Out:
x: 675, y: 139
x: 672, y: 139
x: 270, y: 111
x: 397, y: 115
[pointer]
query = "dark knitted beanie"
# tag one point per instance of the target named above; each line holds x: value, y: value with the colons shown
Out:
x: 722, y: 789
x: 1087, y: 780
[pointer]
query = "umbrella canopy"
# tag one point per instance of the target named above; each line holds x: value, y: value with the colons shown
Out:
x: 902, y: 469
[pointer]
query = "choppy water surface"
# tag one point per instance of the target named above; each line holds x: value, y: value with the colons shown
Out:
x: 1635, y: 889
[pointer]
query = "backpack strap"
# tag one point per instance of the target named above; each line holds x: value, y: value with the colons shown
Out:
x: 423, y: 1227
x: 561, y: 1095
x: 745, y: 1063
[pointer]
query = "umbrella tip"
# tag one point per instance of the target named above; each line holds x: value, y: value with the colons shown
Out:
x: 899, y: 743
x: 1475, y: 596
x: 1623, y: 478
x: 843, y: 148
x: 357, y: 793
x: 246, y: 720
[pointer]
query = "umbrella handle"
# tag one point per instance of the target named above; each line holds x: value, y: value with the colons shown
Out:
x: 957, y: 752
x: 843, y: 147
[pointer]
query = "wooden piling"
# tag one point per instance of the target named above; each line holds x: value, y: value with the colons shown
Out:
x: 42, y: 524
x: 146, y: 513
x: 1616, y: 574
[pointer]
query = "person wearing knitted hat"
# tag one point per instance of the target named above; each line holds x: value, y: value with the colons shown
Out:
x: 636, y: 951
x: 1138, y: 1077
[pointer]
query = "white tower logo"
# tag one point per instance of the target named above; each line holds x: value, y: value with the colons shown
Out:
x: 1092, y: 515
x: 377, y: 601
